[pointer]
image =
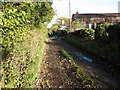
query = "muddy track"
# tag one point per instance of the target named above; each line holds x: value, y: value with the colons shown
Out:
x: 58, y: 72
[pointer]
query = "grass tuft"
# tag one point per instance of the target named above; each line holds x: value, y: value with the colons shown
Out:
x: 65, y: 54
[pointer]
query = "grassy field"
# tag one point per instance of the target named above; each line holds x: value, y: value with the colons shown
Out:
x: 21, y: 68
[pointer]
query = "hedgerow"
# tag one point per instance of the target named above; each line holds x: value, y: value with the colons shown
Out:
x: 84, y: 33
x: 22, y: 43
x: 18, y: 18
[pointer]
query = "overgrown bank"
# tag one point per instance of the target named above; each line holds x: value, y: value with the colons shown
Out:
x: 23, y: 35
x: 22, y: 67
x: 102, y: 44
x: 102, y: 54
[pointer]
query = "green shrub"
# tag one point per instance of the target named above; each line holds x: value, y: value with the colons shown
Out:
x: 22, y: 44
x: 87, y: 33
x: 100, y: 31
x: 22, y: 67
x: 19, y: 18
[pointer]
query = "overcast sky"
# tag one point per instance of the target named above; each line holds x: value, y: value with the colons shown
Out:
x: 84, y: 6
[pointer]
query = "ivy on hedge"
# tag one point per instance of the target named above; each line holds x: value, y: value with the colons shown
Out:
x: 18, y: 18
x: 19, y: 21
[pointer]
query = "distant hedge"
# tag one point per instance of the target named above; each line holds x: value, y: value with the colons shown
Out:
x: 84, y: 33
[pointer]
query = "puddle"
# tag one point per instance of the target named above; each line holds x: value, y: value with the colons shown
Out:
x: 82, y: 57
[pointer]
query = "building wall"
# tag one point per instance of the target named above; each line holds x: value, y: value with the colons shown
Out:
x: 92, y: 20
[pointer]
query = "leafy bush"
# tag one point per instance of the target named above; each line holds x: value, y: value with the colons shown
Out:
x: 20, y: 65
x: 76, y: 25
x: 87, y: 33
x: 84, y: 33
x: 14, y: 27
x: 100, y: 31
x: 19, y: 18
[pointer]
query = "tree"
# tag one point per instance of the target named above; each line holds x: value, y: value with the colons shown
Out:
x: 66, y: 20
x: 59, y: 23
x: 76, y: 25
